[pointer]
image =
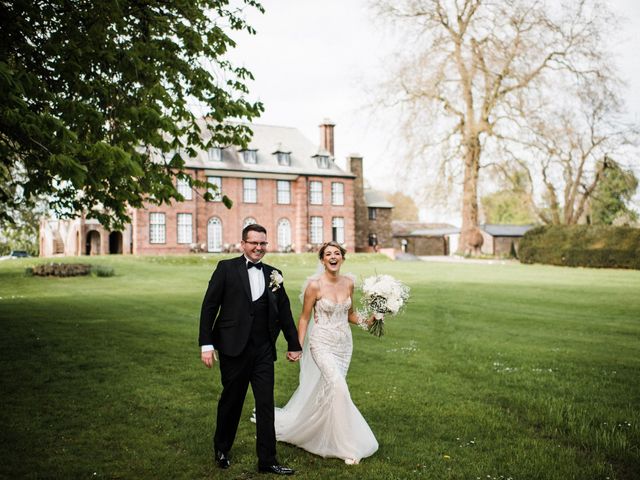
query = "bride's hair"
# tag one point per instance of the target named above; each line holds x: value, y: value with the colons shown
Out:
x: 332, y: 243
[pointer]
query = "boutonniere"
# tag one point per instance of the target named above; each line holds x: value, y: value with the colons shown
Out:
x: 276, y: 281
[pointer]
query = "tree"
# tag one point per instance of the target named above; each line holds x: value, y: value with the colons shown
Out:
x: 404, y: 207
x: 611, y: 197
x: 467, y: 88
x: 568, y: 147
x: 92, y: 92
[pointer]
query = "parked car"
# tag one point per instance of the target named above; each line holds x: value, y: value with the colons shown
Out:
x: 15, y: 254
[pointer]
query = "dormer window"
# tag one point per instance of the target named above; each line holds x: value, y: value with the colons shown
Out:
x: 215, y: 154
x: 250, y: 156
x: 284, y: 158
x: 323, y: 161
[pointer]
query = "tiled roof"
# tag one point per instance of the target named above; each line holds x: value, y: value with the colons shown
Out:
x: 266, y: 140
x: 404, y: 229
x: 506, y: 230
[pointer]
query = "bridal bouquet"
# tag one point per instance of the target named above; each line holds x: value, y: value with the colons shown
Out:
x: 383, y: 294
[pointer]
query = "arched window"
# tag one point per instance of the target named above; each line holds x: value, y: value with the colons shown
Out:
x: 284, y: 235
x: 214, y: 235
x: 248, y: 221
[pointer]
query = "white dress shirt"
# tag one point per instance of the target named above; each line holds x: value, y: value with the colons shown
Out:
x: 256, y: 281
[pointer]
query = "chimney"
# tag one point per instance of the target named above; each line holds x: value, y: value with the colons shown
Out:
x: 326, y: 136
x: 360, y: 204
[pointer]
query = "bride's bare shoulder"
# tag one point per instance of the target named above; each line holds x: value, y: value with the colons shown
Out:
x: 313, y: 285
x: 348, y: 280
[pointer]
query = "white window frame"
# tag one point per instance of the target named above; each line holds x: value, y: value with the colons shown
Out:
x: 315, y: 192
x: 323, y: 161
x: 184, y: 223
x: 250, y: 190
x: 214, y: 154
x: 184, y: 189
x: 157, y: 228
x: 284, y: 234
x: 250, y: 156
x: 217, y: 195
x: 316, y: 230
x: 283, y: 192
x: 214, y: 235
x: 337, y: 228
x: 248, y: 221
x: 373, y: 213
x: 284, y: 158
x: 337, y: 193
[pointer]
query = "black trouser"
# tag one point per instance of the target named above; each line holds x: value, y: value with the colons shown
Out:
x: 254, y: 365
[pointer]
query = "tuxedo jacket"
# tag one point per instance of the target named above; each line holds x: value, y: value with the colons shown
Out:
x: 226, y: 314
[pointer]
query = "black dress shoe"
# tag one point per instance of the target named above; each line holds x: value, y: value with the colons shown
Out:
x: 222, y: 459
x: 276, y: 469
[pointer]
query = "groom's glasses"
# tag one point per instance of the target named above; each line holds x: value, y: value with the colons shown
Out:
x: 255, y: 244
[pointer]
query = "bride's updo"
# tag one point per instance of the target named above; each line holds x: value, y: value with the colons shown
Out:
x: 332, y: 243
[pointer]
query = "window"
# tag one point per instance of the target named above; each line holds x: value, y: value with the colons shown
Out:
x: 284, y: 158
x: 373, y: 240
x: 337, y: 193
x: 315, y: 230
x: 250, y: 156
x: 337, y: 229
x: 283, y: 188
x: 284, y: 235
x: 215, y: 154
x: 248, y: 221
x: 315, y: 193
x: 373, y: 214
x: 157, y: 228
x: 184, y: 189
x: 249, y: 190
x: 215, y: 193
x: 214, y: 235
x: 323, y: 161
x: 185, y: 228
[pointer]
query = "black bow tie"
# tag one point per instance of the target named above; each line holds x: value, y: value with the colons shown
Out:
x: 257, y: 265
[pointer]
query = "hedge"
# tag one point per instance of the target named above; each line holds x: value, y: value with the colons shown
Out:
x: 582, y: 246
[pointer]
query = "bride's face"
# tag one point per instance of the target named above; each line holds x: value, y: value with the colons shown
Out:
x: 332, y: 259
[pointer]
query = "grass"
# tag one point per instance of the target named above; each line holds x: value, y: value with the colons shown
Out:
x: 493, y: 372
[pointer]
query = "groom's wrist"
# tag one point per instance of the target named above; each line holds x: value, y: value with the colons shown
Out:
x: 206, y: 348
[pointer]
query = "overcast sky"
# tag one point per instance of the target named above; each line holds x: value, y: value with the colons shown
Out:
x: 316, y: 59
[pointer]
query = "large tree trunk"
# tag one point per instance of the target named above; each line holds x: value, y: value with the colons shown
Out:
x: 470, y: 241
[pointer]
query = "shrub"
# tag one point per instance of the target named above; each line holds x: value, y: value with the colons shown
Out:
x: 582, y: 246
x: 102, y: 271
x: 62, y: 269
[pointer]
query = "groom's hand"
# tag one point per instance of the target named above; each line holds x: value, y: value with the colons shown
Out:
x: 294, y: 356
x: 208, y: 358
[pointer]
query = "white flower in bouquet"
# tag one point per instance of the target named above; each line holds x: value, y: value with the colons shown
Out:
x: 383, y: 295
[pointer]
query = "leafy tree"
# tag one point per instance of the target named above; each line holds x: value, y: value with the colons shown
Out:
x: 507, y: 207
x: 92, y: 92
x: 404, y: 207
x: 611, y: 198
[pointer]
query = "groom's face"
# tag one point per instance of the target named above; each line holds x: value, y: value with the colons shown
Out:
x: 255, y: 246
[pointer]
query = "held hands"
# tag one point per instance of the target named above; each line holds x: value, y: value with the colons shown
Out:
x: 294, y: 356
x: 209, y: 358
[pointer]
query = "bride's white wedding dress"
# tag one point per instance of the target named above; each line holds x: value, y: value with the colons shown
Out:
x: 320, y: 416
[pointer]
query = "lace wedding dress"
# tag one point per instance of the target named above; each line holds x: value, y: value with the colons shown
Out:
x: 320, y: 416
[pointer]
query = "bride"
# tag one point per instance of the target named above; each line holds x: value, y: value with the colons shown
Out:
x: 320, y: 416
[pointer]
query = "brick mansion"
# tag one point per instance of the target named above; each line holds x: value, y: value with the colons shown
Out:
x: 281, y: 180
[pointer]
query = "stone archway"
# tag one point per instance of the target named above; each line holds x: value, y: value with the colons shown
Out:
x: 92, y: 245
x: 115, y: 242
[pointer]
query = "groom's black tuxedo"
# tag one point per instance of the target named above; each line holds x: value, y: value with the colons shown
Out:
x: 229, y: 293
x: 244, y: 333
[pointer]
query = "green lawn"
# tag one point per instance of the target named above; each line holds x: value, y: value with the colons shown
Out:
x: 493, y: 372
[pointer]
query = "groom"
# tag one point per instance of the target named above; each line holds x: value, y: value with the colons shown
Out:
x: 243, y: 311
